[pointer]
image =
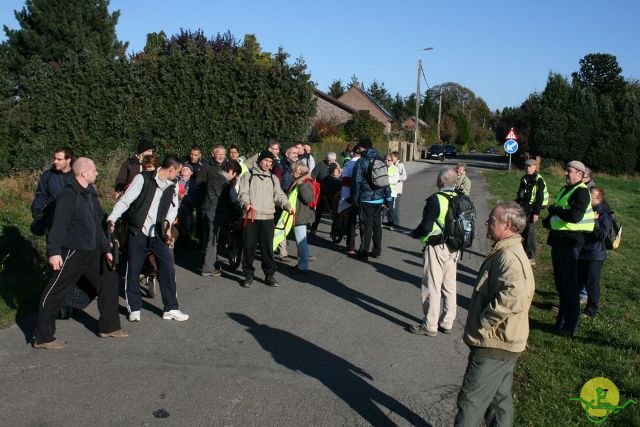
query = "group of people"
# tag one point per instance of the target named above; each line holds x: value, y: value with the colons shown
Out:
x: 267, y: 188
x: 156, y: 204
x: 578, y: 223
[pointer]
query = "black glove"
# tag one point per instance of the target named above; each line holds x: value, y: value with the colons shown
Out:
x: 37, y: 214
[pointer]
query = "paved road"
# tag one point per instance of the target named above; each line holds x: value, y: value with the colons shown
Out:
x: 330, y: 348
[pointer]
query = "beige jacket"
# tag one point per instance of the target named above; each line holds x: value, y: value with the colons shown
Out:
x: 262, y: 191
x: 499, y: 312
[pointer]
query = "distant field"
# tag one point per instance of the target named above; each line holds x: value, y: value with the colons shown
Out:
x: 554, y: 369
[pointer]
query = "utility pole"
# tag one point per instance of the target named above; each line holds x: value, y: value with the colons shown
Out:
x: 439, y: 112
x: 417, y: 130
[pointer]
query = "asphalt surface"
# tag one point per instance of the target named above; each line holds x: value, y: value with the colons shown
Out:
x: 327, y: 348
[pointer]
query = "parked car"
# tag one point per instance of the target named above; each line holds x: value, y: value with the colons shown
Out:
x: 450, y: 151
x: 491, y: 150
x: 436, y: 151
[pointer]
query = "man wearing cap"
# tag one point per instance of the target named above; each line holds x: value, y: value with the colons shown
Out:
x: 259, y: 195
x: 532, y: 196
x: 132, y: 167
x: 569, y: 220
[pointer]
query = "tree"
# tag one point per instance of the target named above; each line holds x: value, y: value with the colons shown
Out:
x: 601, y: 73
x: 49, y: 30
x: 380, y: 94
x: 336, y: 89
x: 364, y: 124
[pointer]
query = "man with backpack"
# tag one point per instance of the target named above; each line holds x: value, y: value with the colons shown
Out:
x: 441, y: 254
x: 532, y: 196
x: 259, y: 195
x: 369, y: 191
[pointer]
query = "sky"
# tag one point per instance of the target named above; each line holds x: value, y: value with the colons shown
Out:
x: 502, y: 50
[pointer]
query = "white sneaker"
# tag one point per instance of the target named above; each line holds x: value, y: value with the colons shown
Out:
x: 134, y: 316
x: 175, y: 315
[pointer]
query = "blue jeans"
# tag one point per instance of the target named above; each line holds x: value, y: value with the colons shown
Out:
x: 300, y: 232
x: 139, y: 246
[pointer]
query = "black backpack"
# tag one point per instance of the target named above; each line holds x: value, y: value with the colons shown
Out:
x: 459, y: 223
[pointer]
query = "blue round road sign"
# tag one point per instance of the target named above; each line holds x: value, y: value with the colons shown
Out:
x: 511, y: 146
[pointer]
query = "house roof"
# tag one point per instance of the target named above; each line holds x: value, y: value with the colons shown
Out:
x: 330, y: 99
x: 374, y: 102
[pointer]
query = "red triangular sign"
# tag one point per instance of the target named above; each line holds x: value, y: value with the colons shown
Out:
x: 511, y: 134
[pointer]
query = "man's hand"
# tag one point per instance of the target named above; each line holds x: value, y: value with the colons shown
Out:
x: 111, y: 227
x: 291, y: 211
x: 116, y: 195
x: 55, y: 262
x: 109, y: 259
x: 535, y: 218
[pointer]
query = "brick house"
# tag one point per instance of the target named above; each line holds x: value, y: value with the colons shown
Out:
x: 331, y: 109
x: 359, y: 100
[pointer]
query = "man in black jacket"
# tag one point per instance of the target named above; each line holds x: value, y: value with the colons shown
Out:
x: 219, y: 199
x: 77, y: 246
x: 532, y: 196
x: 51, y: 183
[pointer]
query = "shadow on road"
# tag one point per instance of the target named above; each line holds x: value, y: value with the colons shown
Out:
x: 366, y: 302
x: 340, y: 376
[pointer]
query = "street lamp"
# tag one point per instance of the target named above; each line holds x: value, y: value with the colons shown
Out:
x: 415, y: 136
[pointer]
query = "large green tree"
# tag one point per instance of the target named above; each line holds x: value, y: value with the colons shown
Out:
x: 49, y: 29
x: 600, y: 73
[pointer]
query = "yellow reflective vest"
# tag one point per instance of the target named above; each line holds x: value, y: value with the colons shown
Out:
x: 436, y: 229
x: 586, y: 223
x: 545, y: 199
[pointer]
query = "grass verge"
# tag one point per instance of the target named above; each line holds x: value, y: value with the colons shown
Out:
x: 554, y: 368
x: 23, y: 267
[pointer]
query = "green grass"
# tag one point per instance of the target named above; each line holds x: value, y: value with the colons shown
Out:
x: 554, y: 368
x: 23, y: 267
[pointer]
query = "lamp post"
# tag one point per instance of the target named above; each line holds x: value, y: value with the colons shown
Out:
x: 415, y: 135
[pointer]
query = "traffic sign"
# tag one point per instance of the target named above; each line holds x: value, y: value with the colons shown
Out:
x: 511, y: 134
x: 511, y: 146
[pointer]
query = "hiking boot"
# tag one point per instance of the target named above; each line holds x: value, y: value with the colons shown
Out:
x: 375, y: 254
x: 271, y: 281
x: 53, y: 345
x: 445, y: 330
x: 247, y: 282
x: 115, y: 334
x: 421, y: 329
x: 134, y: 316
x: 176, y: 315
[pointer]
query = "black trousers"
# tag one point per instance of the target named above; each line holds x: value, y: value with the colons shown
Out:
x: 589, y: 277
x: 565, y: 274
x: 371, y: 225
x: 258, y: 231
x: 529, y: 240
x: 78, y: 263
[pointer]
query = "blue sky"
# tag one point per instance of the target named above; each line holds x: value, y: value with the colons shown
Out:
x: 502, y: 50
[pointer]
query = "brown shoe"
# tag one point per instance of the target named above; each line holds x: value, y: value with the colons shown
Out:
x: 421, y: 329
x: 53, y: 345
x: 115, y: 334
